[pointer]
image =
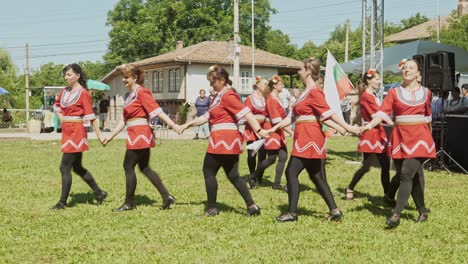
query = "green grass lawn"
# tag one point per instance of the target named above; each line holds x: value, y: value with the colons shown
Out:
x: 87, y: 233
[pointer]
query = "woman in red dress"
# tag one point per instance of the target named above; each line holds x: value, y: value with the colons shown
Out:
x: 256, y: 103
x: 309, y: 143
x: 73, y: 106
x: 374, y: 141
x: 225, y: 143
x: 139, y: 107
x: 275, y: 145
x: 411, y: 141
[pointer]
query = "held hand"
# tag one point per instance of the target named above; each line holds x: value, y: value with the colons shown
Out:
x: 177, y: 129
x: 355, y: 130
x: 182, y: 128
x: 106, y: 140
x: 263, y: 133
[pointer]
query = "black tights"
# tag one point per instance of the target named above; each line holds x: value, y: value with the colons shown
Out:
x: 230, y: 163
x: 411, y: 183
x: 384, y: 161
x: 395, y: 183
x: 140, y: 157
x: 73, y: 161
x: 316, y: 170
x: 282, y: 153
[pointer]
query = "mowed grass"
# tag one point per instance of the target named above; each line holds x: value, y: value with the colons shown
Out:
x: 86, y: 233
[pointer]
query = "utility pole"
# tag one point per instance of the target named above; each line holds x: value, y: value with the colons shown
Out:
x: 253, y: 45
x: 27, y: 83
x: 236, y: 45
x: 346, y: 41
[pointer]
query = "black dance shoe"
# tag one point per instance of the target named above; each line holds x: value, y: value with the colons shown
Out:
x: 100, y: 197
x: 252, y: 182
x: 211, y: 212
x: 124, y: 207
x: 170, y: 200
x: 393, y: 221
x: 335, y: 217
x: 422, y: 218
x: 287, y: 217
x: 389, y: 202
x: 253, y: 210
x: 277, y: 187
x: 58, y: 206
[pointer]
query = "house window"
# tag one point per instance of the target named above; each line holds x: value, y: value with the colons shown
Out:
x: 246, y: 82
x: 174, y: 80
x: 146, y: 79
x: 157, y: 82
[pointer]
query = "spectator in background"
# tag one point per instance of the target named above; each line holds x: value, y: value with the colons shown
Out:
x: 284, y: 97
x: 6, y: 117
x: 202, y: 103
x: 455, y: 105
x: 346, y: 109
x: 103, y: 108
x: 465, y: 98
x: 436, y: 104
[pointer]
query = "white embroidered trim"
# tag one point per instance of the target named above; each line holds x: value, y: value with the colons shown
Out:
x: 374, y: 146
x: 84, y: 141
x: 308, y: 145
x: 155, y: 112
x: 325, y: 115
x: 242, y: 113
x: 415, y: 147
x: 143, y: 137
x: 224, y: 143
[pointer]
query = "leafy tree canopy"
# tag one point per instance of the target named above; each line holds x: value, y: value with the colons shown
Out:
x: 142, y: 29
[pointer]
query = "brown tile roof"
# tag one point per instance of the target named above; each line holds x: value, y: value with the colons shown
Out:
x: 220, y: 52
x: 421, y: 31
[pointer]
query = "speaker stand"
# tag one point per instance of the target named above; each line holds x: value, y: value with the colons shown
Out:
x: 439, y: 162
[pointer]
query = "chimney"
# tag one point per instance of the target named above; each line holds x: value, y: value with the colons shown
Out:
x: 462, y: 7
x: 179, y: 45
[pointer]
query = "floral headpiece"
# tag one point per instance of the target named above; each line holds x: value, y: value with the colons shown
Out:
x: 401, y: 65
x: 370, y: 73
x: 275, y: 79
x: 258, y: 78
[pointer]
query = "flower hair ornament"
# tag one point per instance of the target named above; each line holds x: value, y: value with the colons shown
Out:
x: 370, y: 73
x: 257, y: 78
x: 275, y: 79
x: 401, y: 65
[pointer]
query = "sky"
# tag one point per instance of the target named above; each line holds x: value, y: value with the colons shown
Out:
x: 69, y: 31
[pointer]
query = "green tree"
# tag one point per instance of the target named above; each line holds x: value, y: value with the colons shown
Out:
x: 456, y: 32
x: 279, y: 43
x: 413, y: 21
x: 142, y: 29
x: 7, y: 79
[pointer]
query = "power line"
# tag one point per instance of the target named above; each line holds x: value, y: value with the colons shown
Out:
x: 58, y: 44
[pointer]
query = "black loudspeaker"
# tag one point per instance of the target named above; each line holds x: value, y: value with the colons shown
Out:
x: 439, y: 71
x: 421, y: 59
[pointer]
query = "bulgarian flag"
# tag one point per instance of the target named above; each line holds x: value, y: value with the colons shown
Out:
x: 336, y: 85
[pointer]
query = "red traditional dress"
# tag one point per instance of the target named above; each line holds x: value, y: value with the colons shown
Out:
x: 76, y: 107
x: 225, y: 111
x: 309, y: 139
x: 256, y: 104
x: 275, y: 113
x: 411, y: 137
x: 139, y: 107
x: 374, y: 140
